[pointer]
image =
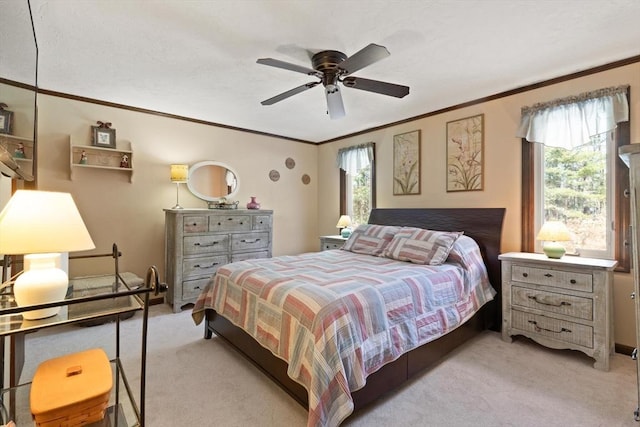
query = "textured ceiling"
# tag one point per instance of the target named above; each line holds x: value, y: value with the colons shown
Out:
x: 198, y: 58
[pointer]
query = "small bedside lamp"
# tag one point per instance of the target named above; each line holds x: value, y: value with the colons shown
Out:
x: 41, y: 224
x: 344, y: 223
x: 179, y: 175
x: 551, y: 233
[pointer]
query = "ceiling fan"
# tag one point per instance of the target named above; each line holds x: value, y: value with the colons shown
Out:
x: 333, y: 67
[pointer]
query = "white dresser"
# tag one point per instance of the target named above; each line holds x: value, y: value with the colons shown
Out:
x: 560, y: 303
x: 198, y: 241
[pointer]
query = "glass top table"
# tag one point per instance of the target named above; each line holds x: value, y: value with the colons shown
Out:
x: 72, y: 310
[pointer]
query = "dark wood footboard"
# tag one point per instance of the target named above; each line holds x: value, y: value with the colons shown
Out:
x: 484, y: 225
x: 388, y: 378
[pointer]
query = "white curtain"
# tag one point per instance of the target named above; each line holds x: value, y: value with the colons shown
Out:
x: 571, y: 122
x: 352, y: 159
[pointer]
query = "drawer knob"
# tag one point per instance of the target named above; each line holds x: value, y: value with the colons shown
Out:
x: 525, y: 274
x: 548, y: 275
x: 572, y: 281
x: 633, y: 295
x: 542, y: 301
x: 538, y: 328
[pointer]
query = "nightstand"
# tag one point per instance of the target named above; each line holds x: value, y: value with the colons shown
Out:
x: 560, y: 303
x: 331, y: 242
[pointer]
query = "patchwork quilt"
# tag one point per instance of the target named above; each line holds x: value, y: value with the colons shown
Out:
x: 337, y: 316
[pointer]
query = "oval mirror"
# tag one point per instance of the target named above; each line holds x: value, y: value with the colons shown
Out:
x: 211, y: 181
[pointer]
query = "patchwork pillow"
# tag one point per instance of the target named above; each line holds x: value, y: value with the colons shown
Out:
x: 421, y: 246
x: 370, y: 239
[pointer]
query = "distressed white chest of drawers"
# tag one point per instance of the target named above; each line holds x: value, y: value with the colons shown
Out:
x: 560, y: 303
x: 199, y: 241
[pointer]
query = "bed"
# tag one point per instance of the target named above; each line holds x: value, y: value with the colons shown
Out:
x: 308, y: 305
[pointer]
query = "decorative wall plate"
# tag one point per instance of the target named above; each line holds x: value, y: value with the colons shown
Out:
x: 306, y: 179
x: 290, y: 163
x: 274, y: 175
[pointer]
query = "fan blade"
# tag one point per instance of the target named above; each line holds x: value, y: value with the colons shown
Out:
x: 335, y: 107
x: 287, y: 66
x: 364, y: 57
x: 287, y: 94
x: 376, y: 86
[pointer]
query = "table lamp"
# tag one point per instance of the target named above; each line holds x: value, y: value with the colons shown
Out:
x: 344, y: 223
x: 179, y: 175
x: 551, y: 233
x: 40, y: 225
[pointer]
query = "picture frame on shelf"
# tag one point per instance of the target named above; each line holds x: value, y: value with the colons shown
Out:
x: 465, y: 154
x: 406, y: 163
x: 6, y: 119
x: 103, y: 137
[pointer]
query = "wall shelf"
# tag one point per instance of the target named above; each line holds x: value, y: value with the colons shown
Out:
x: 100, y: 158
x: 11, y: 144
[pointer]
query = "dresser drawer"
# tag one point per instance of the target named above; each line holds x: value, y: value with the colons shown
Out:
x: 549, y: 327
x: 250, y: 241
x: 194, y: 245
x: 326, y: 246
x: 230, y: 223
x: 194, y: 224
x: 249, y: 255
x: 262, y: 222
x: 192, y: 288
x: 569, y: 305
x: 554, y: 278
x: 202, y: 267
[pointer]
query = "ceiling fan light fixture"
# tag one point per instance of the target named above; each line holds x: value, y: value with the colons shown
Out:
x: 335, y: 107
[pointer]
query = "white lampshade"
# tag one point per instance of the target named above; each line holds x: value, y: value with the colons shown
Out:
x: 40, y: 224
x: 344, y: 221
x: 179, y: 173
x: 551, y: 233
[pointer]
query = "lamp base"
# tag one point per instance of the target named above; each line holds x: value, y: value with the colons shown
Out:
x: 346, y: 232
x: 553, y: 250
x: 42, y: 283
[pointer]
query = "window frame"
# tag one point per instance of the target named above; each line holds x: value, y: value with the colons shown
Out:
x: 343, y: 185
x: 621, y: 202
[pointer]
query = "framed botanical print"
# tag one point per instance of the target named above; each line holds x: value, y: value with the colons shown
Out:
x: 465, y: 154
x: 103, y: 137
x: 406, y: 163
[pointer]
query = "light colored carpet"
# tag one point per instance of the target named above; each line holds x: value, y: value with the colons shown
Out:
x: 197, y: 382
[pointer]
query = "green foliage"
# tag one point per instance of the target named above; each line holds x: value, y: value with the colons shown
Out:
x: 575, y: 191
x: 361, y: 190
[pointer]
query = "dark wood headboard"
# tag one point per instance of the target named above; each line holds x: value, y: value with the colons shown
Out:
x: 484, y: 225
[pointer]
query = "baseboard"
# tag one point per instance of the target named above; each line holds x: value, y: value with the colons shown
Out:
x: 156, y: 299
x: 624, y: 349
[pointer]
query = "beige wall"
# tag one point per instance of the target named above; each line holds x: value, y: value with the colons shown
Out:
x: 131, y: 214
x: 502, y: 168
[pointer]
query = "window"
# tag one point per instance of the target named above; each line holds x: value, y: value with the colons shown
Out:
x: 357, y: 182
x: 576, y: 187
x: 574, y: 174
